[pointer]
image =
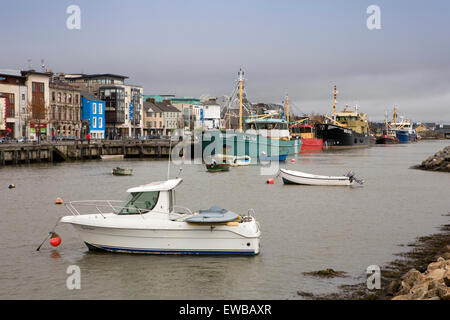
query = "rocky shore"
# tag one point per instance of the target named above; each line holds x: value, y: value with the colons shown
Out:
x: 433, y: 284
x: 437, y: 162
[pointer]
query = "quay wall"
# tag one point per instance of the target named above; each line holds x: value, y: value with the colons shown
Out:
x: 16, y: 153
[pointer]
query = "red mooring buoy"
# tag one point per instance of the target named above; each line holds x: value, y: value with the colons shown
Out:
x: 55, y: 240
x: 293, y: 160
x: 270, y: 181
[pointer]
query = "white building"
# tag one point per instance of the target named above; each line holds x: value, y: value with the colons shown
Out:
x: 211, y: 116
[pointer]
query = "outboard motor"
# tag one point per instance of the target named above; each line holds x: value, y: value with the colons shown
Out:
x: 352, y: 177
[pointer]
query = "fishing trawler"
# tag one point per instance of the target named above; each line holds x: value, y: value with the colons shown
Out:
x: 403, y: 129
x: 307, y: 133
x: 265, y: 135
x: 389, y: 136
x: 346, y: 129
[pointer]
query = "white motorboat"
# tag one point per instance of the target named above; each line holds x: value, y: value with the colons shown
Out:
x: 150, y: 222
x: 233, y: 161
x: 297, y: 177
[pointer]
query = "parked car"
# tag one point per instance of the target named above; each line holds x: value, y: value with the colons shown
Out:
x: 24, y: 139
x: 7, y: 140
x: 152, y: 136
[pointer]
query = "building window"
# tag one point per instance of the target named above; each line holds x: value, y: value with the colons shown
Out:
x: 59, y: 96
x: 94, y: 122
x: 100, y: 108
x: 100, y: 123
x: 70, y: 98
x: 76, y: 99
x: 94, y: 108
x: 53, y: 96
x: 65, y: 98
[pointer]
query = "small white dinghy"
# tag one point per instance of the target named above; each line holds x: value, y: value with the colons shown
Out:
x: 297, y: 177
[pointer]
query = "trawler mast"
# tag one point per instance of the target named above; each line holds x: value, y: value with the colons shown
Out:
x: 241, y: 81
x: 335, y: 99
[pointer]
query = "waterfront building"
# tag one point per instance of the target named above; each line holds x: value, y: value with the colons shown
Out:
x: 3, y: 131
x: 65, y: 114
x: 93, y: 116
x: 13, y: 113
x: 153, y: 118
x: 173, y: 118
x: 210, y: 114
x: 161, y: 117
x: 188, y: 106
x: 123, y: 102
x: 38, y: 99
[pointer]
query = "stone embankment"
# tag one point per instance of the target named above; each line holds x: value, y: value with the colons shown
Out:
x: 437, y: 162
x: 433, y: 284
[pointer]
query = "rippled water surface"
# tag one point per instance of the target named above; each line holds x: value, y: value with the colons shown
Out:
x: 304, y: 228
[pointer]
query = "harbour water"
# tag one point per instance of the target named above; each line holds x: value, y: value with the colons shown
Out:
x: 304, y: 228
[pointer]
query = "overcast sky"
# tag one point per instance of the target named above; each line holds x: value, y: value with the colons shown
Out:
x: 196, y: 47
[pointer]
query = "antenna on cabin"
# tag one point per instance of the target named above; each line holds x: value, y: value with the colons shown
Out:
x: 179, y: 172
x: 42, y: 65
x: 170, y: 153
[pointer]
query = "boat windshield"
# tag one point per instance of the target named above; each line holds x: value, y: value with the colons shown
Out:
x: 139, y: 202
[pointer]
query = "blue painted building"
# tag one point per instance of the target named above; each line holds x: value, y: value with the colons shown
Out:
x: 93, y: 115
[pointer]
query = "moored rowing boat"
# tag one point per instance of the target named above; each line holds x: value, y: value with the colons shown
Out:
x: 297, y: 177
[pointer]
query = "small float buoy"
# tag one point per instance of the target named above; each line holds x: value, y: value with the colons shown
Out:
x: 293, y: 160
x: 55, y: 240
x: 11, y: 186
x: 58, y: 201
x: 270, y: 181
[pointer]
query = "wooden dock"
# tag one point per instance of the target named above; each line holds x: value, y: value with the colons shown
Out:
x: 16, y: 153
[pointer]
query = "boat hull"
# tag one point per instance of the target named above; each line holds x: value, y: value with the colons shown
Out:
x: 336, y: 137
x: 387, y: 140
x: 301, y: 178
x: 181, y: 238
x: 403, y: 136
x: 246, y: 144
x: 311, y: 144
x: 218, y: 167
x: 112, y: 157
x: 122, y: 172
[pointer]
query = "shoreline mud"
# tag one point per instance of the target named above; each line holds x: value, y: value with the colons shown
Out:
x: 420, y: 273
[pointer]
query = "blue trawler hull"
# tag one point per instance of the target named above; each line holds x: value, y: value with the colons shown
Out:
x: 403, y: 136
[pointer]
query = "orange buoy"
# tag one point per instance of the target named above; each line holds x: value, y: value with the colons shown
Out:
x: 270, y: 181
x: 58, y: 201
x: 55, y: 240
